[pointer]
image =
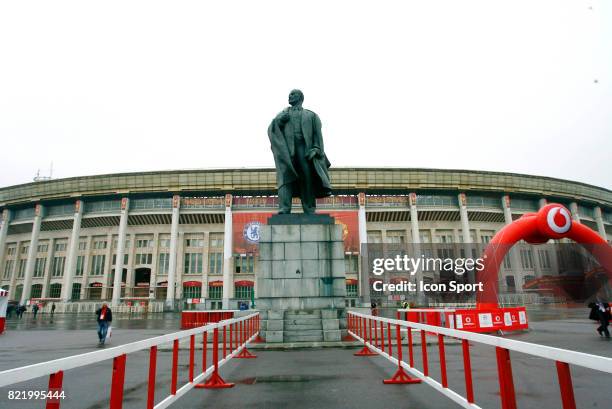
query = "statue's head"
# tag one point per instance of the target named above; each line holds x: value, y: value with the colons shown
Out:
x: 296, y: 97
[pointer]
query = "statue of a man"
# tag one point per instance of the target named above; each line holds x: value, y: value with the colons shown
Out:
x: 302, y: 169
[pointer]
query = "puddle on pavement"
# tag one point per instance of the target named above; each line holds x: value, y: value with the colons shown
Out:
x: 285, y: 378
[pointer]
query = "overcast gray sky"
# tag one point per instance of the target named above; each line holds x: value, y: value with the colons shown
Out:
x: 115, y: 86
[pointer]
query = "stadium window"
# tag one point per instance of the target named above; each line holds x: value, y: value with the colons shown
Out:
x: 99, y: 244
x: 18, y: 291
x: 55, y: 290
x: 39, y: 267
x: 526, y: 258
x: 243, y: 292
x: 82, y: 245
x: 215, y: 262
x: 216, y: 240
x: 21, y: 271
x: 76, y: 292
x: 544, y: 259
x: 60, y: 246
x: 193, y: 263
x: 58, y: 266
x: 8, y: 269
x: 142, y: 258
x: 144, y: 243
x: 97, y: 264
x: 192, y: 292
x: 351, y: 263
x: 80, y: 264
x: 507, y: 264
x: 352, y: 290
x: 36, y: 291
x: 164, y: 264
x: 244, y: 263
x: 194, y: 243
x: 396, y: 237
x: 215, y: 292
x: 375, y: 237
x: 42, y: 248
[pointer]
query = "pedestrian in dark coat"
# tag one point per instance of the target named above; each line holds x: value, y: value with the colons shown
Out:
x: 600, y: 311
x: 104, y: 316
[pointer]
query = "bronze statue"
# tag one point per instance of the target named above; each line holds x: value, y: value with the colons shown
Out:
x: 302, y: 168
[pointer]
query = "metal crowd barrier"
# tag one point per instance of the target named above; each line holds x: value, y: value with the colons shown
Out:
x: 366, y: 329
x: 236, y: 334
x: 193, y: 319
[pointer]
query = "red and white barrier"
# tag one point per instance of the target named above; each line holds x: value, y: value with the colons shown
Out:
x: 236, y: 334
x: 365, y: 328
x: 193, y: 319
x: 471, y: 319
x: 3, y: 306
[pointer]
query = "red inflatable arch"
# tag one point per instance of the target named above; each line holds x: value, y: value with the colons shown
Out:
x: 553, y: 221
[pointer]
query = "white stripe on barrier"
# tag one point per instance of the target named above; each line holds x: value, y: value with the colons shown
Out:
x: 26, y: 373
x: 454, y: 396
x: 596, y: 362
x: 197, y: 379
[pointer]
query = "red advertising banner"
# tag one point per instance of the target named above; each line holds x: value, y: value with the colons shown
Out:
x: 245, y: 231
x: 350, y: 228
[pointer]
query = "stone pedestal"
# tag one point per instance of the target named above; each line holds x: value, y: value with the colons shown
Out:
x: 301, y: 282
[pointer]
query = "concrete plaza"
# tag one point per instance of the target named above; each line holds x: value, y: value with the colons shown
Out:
x: 303, y: 378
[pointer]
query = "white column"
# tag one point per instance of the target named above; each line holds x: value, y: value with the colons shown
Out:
x: 32, y: 250
x: 130, y: 279
x: 13, y: 278
x: 154, y: 266
x: 515, y: 262
x: 416, y: 243
x: 601, y: 228
x: 542, y: 202
x: 364, y: 288
x: 48, y: 268
x: 73, y: 248
x: 108, y: 267
x: 228, y: 277
x: 507, y: 211
x: 574, y: 210
x: 86, y: 267
x: 4, y: 225
x: 125, y: 205
x: 171, y: 293
x: 465, y: 223
x: 414, y: 219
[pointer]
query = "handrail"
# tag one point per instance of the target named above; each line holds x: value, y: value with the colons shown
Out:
x: 25, y: 373
x: 596, y: 362
x: 370, y: 330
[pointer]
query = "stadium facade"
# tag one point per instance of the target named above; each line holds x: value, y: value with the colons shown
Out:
x: 197, y: 230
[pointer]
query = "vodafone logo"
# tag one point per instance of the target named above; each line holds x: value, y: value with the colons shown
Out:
x: 554, y: 221
x: 559, y: 220
x: 468, y: 319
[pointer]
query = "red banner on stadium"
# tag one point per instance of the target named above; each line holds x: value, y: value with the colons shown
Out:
x: 246, y: 229
x: 350, y: 228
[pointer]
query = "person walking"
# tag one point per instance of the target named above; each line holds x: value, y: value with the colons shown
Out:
x: 20, y: 310
x: 35, y: 310
x: 600, y: 311
x: 52, y: 310
x: 104, y: 316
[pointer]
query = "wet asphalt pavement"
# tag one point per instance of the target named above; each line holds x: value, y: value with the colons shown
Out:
x: 306, y: 378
